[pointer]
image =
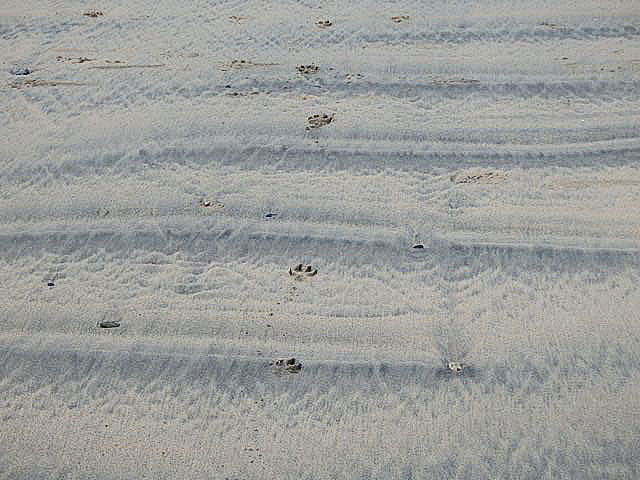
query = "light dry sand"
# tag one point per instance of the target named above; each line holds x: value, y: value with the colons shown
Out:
x: 140, y: 161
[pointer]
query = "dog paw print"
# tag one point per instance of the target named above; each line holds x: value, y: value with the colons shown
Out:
x: 286, y: 365
x: 324, y: 23
x: 318, y: 120
x: 301, y: 271
x: 308, y: 69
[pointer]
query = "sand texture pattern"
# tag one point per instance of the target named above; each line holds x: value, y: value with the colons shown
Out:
x: 320, y: 240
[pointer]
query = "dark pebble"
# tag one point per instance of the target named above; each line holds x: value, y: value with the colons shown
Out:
x: 271, y: 215
x: 51, y: 284
x: 109, y: 324
x: 418, y: 245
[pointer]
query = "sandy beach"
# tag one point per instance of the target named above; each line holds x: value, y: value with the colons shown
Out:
x: 428, y: 211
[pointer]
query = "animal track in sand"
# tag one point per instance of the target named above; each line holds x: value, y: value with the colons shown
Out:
x: 452, y: 369
x: 93, y: 13
x: 19, y: 71
x: 324, y: 23
x: 60, y: 58
x: 349, y: 77
x: 241, y: 64
x: 318, y: 120
x: 400, y: 18
x: 211, y: 204
x: 478, y: 177
x: 286, y: 365
x: 455, y: 366
x: 454, y: 81
x: 301, y: 271
x: 245, y: 94
x: 102, y: 212
x: 308, y: 69
x: 553, y: 26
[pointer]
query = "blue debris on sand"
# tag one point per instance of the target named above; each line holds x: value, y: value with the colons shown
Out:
x: 271, y: 215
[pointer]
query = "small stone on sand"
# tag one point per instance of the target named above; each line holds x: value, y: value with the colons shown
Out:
x: 109, y: 324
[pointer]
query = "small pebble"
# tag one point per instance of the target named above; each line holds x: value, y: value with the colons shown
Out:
x: 109, y: 324
x: 271, y: 215
x: 51, y: 284
x: 418, y: 245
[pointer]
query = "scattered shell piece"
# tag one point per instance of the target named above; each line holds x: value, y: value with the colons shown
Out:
x: 109, y: 324
x: 400, y: 18
x: 319, y: 120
